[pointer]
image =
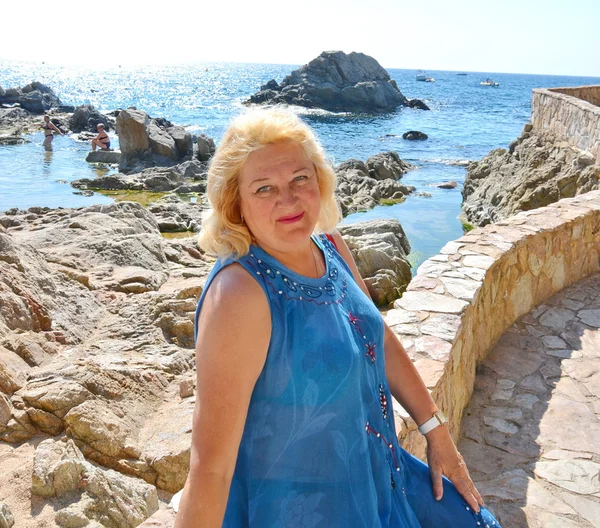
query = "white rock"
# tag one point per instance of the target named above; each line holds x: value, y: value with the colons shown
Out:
x: 579, y: 476
x: 432, y: 302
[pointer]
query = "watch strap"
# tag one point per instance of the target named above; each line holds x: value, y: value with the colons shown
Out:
x: 438, y: 418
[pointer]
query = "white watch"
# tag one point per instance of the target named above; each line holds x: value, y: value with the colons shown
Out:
x: 438, y: 418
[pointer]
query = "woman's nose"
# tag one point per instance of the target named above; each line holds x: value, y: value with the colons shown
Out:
x: 287, y: 197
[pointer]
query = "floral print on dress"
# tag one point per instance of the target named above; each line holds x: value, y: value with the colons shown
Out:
x: 298, y: 510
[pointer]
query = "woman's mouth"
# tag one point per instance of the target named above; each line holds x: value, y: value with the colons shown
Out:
x: 291, y: 218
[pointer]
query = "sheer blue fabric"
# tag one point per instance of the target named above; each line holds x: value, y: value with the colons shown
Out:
x: 319, y: 447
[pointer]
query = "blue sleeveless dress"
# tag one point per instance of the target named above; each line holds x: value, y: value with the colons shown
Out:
x: 319, y: 448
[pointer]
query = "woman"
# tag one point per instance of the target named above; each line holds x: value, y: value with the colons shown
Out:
x: 296, y: 368
x: 48, y: 126
x: 101, y: 140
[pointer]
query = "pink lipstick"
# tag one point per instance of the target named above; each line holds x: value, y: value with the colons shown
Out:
x: 291, y: 219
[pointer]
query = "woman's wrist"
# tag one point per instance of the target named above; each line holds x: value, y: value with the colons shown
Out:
x: 440, y: 433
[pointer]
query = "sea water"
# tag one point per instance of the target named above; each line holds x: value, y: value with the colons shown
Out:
x: 466, y: 121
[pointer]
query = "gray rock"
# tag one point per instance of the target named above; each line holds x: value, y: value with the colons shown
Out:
x: 414, y: 135
x: 539, y: 171
x: 380, y: 248
x: 193, y: 169
x: 35, y: 97
x: 103, y: 496
x: 417, y: 103
x: 183, y: 141
x: 132, y: 129
x: 387, y: 165
x: 161, y: 142
x: 205, y: 148
x: 103, y: 156
x: 447, y: 185
x: 6, y: 518
x: 361, y: 186
x: 87, y: 118
x: 338, y: 82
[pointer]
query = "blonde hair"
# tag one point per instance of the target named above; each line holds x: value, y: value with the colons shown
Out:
x: 224, y: 234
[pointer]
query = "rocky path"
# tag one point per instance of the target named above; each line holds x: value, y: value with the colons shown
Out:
x: 531, y: 434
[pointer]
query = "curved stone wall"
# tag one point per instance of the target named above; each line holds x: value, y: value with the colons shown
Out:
x: 462, y: 300
x: 570, y: 114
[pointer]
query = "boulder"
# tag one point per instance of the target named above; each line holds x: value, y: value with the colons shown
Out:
x: 94, y: 495
x: 147, y: 142
x: 387, y: 165
x: 414, y: 134
x: 205, y: 148
x: 337, y: 82
x: 161, y: 142
x: 35, y: 97
x: 417, y: 103
x: 103, y: 156
x: 6, y: 517
x: 193, y: 169
x: 538, y: 170
x: 380, y: 249
x: 183, y: 141
x: 174, y: 215
x: 361, y: 185
x: 132, y: 129
x: 12, y: 140
x: 87, y: 118
x: 447, y: 185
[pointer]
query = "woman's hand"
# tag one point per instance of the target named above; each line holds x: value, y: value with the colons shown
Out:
x: 444, y: 459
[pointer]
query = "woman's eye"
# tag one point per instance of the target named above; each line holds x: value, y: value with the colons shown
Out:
x: 263, y: 190
x: 301, y: 178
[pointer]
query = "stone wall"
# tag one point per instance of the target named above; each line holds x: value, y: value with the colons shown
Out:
x: 570, y: 114
x: 462, y: 300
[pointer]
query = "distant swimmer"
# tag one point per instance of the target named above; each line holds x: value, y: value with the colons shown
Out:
x: 102, y: 140
x: 48, y: 127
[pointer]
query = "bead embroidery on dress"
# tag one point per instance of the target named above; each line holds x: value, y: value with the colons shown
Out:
x: 370, y: 351
x: 383, y: 402
x: 281, y: 284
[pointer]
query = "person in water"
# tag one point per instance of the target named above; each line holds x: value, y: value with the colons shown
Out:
x: 49, y: 128
x: 102, y: 141
x: 296, y: 368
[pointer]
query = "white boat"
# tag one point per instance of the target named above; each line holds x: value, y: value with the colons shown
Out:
x: 489, y: 82
x: 422, y: 76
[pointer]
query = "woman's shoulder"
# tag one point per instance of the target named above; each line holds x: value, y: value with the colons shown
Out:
x: 234, y: 284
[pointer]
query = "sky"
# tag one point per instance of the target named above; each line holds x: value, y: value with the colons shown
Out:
x: 557, y: 37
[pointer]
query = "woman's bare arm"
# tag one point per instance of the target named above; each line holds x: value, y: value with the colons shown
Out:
x: 234, y: 331
x: 407, y: 386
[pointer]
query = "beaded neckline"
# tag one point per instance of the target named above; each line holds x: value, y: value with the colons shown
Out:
x: 271, y: 266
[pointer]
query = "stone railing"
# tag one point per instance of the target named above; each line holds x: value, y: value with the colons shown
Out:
x: 570, y: 114
x: 462, y: 300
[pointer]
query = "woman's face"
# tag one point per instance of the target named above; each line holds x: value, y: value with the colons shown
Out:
x: 279, y: 196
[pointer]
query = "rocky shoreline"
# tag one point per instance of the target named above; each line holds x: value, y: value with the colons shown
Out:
x: 535, y: 170
x: 97, y: 358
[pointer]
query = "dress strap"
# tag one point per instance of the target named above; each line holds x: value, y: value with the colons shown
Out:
x: 332, y: 240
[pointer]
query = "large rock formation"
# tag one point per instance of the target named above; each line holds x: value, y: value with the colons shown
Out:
x: 362, y: 186
x: 34, y: 97
x: 380, y: 249
x: 147, y: 142
x: 97, y: 357
x: 187, y: 177
x: 338, y: 82
x: 87, y: 118
x: 535, y: 171
x: 84, y: 492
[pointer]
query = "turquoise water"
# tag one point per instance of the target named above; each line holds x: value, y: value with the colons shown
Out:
x: 466, y: 121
